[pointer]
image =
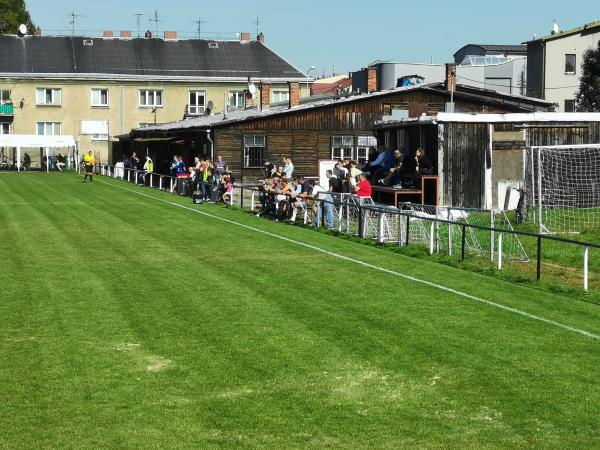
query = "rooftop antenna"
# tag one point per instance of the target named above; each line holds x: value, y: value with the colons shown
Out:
x: 138, y: 19
x: 199, y: 24
x: 72, y: 22
x: 257, y: 23
x: 555, y: 28
x: 155, y: 20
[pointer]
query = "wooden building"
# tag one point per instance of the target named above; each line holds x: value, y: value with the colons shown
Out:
x: 335, y: 128
x: 478, y: 155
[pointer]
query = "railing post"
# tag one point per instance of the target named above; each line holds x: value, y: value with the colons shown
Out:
x: 407, y: 229
x: 160, y: 182
x: 128, y: 175
x: 500, y: 250
x: 437, y: 237
x: 586, y: 257
x: 151, y: 183
x: 539, y: 258
x: 360, y: 222
x: 173, y: 184
x: 431, y: 237
x: 347, y: 218
x: 450, y: 240
x: 340, y: 218
x: 242, y: 196
x: 492, y: 235
x: 399, y: 229
x: 462, y: 243
x: 380, y: 228
x: 252, y: 200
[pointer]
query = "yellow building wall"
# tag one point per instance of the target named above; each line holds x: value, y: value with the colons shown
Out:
x: 123, y: 112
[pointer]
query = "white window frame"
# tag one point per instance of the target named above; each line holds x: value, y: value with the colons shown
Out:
x: 237, y: 96
x: 5, y: 126
x: 8, y: 99
x: 46, y: 125
x: 149, y: 97
x: 278, y: 96
x: 574, y: 64
x: 99, y: 91
x: 41, y: 96
x: 257, y: 142
x: 197, y: 109
x: 342, y: 147
x: 363, y: 144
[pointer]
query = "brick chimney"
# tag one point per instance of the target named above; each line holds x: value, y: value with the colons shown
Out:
x: 125, y: 34
x: 294, y: 94
x: 265, y: 96
x: 170, y: 35
x: 261, y: 38
x: 108, y: 35
x: 450, y: 77
x: 245, y: 37
x: 371, y: 79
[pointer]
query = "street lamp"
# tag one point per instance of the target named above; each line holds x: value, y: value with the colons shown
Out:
x: 307, y: 72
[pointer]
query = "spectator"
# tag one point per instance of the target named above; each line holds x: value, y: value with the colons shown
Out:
x: 60, y: 162
x: 278, y: 172
x: 227, y: 189
x: 220, y: 169
x: 135, y: 161
x: 323, y: 201
x: 339, y: 170
x: 27, y: 161
x: 288, y: 168
x: 148, y: 168
x: 381, y: 166
x: 334, y: 182
x: 423, y: 166
x: 396, y: 176
x: 354, y: 171
x: 269, y: 168
x: 363, y: 188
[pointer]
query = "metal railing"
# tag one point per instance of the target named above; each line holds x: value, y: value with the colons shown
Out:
x: 438, y: 229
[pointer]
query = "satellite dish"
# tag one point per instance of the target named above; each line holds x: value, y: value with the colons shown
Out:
x: 555, y: 28
x: 252, y: 88
x: 23, y: 29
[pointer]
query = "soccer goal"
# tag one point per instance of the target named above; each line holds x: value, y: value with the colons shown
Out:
x: 563, y: 186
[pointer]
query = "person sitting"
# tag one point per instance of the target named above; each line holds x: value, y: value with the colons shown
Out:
x: 396, y: 176
x: 363, y: 188
x: 381, y: 166
x: 60, y: 162
x: 423, y: 166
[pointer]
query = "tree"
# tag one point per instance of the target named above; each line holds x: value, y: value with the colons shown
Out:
x: 12, y: 14
x: 588, y: 96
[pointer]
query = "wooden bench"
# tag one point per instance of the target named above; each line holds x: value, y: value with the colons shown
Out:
x: 426, y: 194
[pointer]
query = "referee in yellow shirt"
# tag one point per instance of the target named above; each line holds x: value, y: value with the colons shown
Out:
x: 88, y: 162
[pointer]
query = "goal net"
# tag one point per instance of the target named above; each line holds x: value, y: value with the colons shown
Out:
x: 563, y: 187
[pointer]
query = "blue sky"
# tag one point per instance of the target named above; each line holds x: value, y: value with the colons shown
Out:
x: 348, y: 34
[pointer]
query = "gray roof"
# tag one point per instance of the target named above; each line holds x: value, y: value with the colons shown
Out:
x: 504, y: 48
x: 218, y: 120
x: 70, y: 57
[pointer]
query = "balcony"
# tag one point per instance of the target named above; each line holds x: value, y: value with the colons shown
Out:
x: 7, y: 109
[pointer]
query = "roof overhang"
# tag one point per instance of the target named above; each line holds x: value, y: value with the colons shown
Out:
x: 150, y: 78
x: 33, y: 141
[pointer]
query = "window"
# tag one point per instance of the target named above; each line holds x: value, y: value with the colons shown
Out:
x: 254, y: 151
x: 48, y: 96
x: 237, y: 100
x: 100, y: 97
x: 49, y: 128
x: 342, y: 147
x: 197, y: 101
x: 362, y: 149
x: 99, y: 137
x: 280, y: 96
x: 4, y: 127
x: 569, y: 105
x: 151, y: 98
x: 570, y: 61
x: 4, y: 97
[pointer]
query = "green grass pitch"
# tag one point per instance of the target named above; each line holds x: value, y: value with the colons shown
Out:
x: 128, y: 322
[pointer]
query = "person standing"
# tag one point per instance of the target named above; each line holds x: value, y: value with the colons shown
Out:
x: 288, y: 168
x: 88, y: 162
x: 148, y: 168
x: 220, y: 169
x: 323, y: 201
x: 334, y: 182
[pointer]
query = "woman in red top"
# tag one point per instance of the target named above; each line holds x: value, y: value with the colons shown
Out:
x: 363, y: 189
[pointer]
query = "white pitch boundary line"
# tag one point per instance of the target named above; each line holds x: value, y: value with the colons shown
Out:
x: 372, y: 266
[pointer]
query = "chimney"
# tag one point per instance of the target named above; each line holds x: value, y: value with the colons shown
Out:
x: 245, y: 37
x: 170, y: 35
x: 371, y: 79
x: 265, y: 96
x: 261, y: 38
x: 294, y: 94
x: 107, y: 35
x: 125, y: 34
x: 450, y: 77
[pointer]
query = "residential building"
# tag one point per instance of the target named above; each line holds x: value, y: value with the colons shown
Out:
x: 97, y: 88
x: 484, y: 54
x: 554, y: 64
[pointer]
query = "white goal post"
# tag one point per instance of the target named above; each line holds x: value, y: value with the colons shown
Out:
x: 563, y: 187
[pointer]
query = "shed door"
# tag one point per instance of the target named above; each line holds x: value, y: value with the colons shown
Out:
x: 464, y: 164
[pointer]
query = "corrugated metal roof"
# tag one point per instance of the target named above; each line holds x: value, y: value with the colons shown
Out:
x: 150, y: 57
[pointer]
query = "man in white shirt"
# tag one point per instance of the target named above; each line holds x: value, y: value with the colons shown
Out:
x: 325, y: 203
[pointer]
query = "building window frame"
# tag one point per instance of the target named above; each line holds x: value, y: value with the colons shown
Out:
x: 196, y: 109
x: 570, y: 64
x: 342, y: 147
x: 53, y: 126
x: 280, y: 96
x: 151, y: 98
x: 5, y: 128
x: 98, y: 101
x: 255, y: 147
x: 5, y: 96
x: 99, y: 137
x: 48, y: 96
x: 363, y: 144
x: 236, y: 100
x: 570, y: 105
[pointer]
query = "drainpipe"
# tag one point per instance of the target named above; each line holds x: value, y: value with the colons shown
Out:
x: 211, y: 145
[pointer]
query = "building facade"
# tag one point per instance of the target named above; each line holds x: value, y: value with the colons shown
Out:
x: 554, y: 64
x: 97, y: 88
